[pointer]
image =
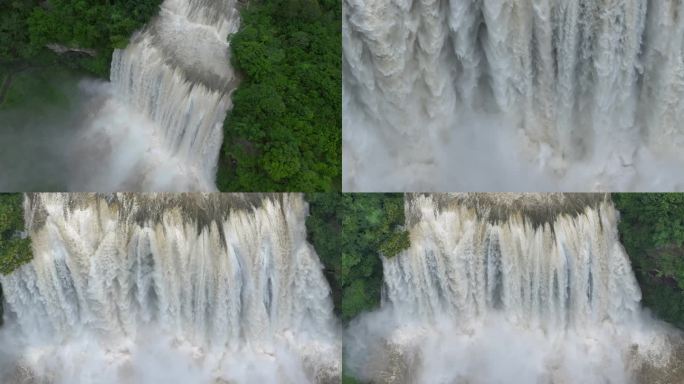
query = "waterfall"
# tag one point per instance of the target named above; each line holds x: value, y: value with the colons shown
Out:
x: 511, y: 288
x: 158, y: 126
x: 201, y: 288
x: 177, y: 73
x: 577, y: 94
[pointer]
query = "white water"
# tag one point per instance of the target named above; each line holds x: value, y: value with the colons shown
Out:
x: 476, y: 94
x: 158, y: 125
x: 520, y: 298
x: 169, y: 288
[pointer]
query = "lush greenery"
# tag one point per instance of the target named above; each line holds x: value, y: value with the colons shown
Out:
x: 324, y: 231
x: 652, y: 231
x: 360, y: 227
x: 15, y: 250
x: 372, y: 225
x: 15, y: 43
x: 92, y: 28
x: 284, y: 131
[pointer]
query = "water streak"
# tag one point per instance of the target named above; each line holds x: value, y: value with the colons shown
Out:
x: 179, y: 288
x: 581, y: 94
x: 510, y: 288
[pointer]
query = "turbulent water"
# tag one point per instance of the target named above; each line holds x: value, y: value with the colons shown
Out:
x: 177, y: 74
x: 157, y: 126
x: 571, y: 94
x: 509, y: 288
x: 168, y: 288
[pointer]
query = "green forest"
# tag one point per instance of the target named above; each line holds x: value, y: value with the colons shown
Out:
x: 15, y: 247
x: 90, y: 30
x: 372, y: 225
x: 652, y: 231
x: 324, y: 231
x: 284, y: 131
x: 358, y: 227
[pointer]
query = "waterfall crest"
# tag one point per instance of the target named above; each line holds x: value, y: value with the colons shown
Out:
x: 177, y: 73
x: 225, y: 284
x: 158, y: 125
x: 557, y: 84
x: 539, y: 281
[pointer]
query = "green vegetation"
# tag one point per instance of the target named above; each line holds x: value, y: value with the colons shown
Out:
x: 324, y: 231
x: 41, y: 88
x: 284, y: 131
x: 361, y: 227
x: 652, y: 231
x: 15, y: 43
x: 14, y: 250
x: 372, y: 224
x: 90, y: 29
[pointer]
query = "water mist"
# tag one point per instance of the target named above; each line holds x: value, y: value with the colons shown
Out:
x: 174, y: 288
x: 512, y: 288
x: 158, y: 125
x: 475, y: 94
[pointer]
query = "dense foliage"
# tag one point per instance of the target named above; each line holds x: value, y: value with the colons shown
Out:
x: 372, y: 225
x: 324, y: 231
x: 14, y: 36
x: 15, y: 250
x: 361, y: 227
x: 284, y: 131
x: 652, y: 231
x: 28, y: 26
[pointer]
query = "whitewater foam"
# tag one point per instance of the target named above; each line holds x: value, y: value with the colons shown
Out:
x: 144, y: 288
x: 520, y: 95
x: 504, y: 288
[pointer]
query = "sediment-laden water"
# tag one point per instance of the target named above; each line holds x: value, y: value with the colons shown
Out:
x: 176, y: 288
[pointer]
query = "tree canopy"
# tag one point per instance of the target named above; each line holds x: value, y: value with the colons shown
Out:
x: 372, y: 225
x: 652, y: 231
x: 15, y: 249
x: 284, y: 131
x: 324, y: 231
x: 28, y: 26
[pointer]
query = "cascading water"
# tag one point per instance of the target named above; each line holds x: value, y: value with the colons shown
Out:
x: 159, y: 123
x: 505, y: 288
x: 168, y: 288
x: 573, y: 94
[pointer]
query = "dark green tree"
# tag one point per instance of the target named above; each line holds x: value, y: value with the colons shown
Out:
x: 324, y: 231
x: 15, y: 246
x: 28, y: 26
x: 372, y: 225
x: 284, y: 131
x: 652, y: 231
